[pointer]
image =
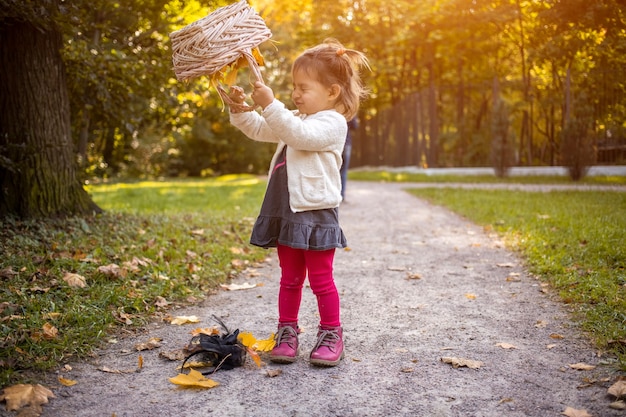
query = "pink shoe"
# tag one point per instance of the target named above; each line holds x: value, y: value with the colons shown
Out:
x: 286, y: 348
x: 328, y: 350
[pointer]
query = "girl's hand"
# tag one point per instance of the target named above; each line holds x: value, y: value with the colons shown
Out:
x: 262, y: 94
x: 237, y: 94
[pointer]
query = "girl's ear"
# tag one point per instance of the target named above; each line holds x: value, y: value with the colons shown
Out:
x: 334, y: 91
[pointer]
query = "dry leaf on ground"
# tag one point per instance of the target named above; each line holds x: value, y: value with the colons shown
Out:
x: 618, y: 390
x: 396, y: 268
x: 66, y: 382
x: 236, y: 287
x: 274, y: 372
x: 247, y: 339
x: 506, y: 345
x: 180, y: 320
x: 152, y: 343
x: 49, y: 331
x: 572, y: 412
x: 193, y: 379
x: 7, y: 273
x: 21, y: 395
x: 116, y: 371
x: 173, y: 355
x: 112, y: 270
x: 161, y: 302
x: 618, y: 405
x: 582, y: 366
x: 209, y: 331
x: 506, y: 265
x: 75, y: 280
x: 459, y: 362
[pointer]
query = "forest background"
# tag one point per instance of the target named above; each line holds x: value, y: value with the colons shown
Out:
x: 453, y: 83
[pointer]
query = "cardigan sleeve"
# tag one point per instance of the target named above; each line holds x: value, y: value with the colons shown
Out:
x: 322, y: 131
x: 253, y: 126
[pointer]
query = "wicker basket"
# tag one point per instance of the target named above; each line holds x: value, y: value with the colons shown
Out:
x: 209, y: 45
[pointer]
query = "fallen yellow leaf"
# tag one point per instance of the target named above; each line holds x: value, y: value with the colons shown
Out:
x: 247, y: 339
x: 193, y: 379
x: 152, y: 343
x: 20, y: 395
x: 255, y: 356
x: 185, y: 319
x: 274, y: 372
x: 572, y: 412
x: 236, y: 287
x: 66, y: 382
x: 195, y: 364
x: 618, y: 389
x: 506, y: 265
x: 458, y: 362
x: 75, y: 280
x: 265, y: 345
x: 209, y: 331
x: 112, y: 270
x: 506, y: 345
x: 582, y: 366
x: 49, y: 331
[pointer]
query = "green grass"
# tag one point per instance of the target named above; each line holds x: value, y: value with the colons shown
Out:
x: 576, y: 241
x: 182, y: 235
x: 529, y: 179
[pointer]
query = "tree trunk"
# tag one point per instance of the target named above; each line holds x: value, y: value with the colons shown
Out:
x: 433, y: 129
x: 38, y: 167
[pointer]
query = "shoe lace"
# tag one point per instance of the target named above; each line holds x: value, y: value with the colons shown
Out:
x: 327, y: 338
x: 286, y: 334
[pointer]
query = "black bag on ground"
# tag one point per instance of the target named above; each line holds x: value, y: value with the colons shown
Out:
x: 223, y: 351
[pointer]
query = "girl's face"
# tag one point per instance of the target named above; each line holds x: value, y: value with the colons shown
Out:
x: 310, y: 96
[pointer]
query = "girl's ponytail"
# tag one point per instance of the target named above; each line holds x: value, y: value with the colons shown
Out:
x: 331, y: 63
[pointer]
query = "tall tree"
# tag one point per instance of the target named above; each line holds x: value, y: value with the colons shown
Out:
x: 38, y: 175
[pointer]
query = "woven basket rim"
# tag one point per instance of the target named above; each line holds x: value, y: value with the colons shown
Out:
x: 207, y: 45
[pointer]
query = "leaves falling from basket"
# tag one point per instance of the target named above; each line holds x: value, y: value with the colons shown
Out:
x: 218, y: 45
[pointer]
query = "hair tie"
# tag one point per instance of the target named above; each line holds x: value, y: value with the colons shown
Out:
x: 340, y: 51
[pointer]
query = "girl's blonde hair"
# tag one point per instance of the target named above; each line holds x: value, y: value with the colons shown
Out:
x: 330, y: 63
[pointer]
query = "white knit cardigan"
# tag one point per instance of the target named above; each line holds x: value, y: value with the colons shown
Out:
x: 314, y: 146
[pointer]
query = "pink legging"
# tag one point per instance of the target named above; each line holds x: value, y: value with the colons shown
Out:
x: 294, y: 264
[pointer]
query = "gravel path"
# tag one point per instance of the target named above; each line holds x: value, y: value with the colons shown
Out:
x: 418, y: 283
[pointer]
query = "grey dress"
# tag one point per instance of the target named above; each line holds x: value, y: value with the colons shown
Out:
x: 277, y: 224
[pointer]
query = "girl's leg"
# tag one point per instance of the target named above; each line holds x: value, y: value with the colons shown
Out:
x: 293, y: 273
x: 328, y: 350
x: 320, y: 270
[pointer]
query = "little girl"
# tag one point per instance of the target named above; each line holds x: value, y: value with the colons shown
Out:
x: 299, y: 215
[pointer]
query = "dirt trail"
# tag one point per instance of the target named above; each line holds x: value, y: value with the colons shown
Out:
x: 418, y: 283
